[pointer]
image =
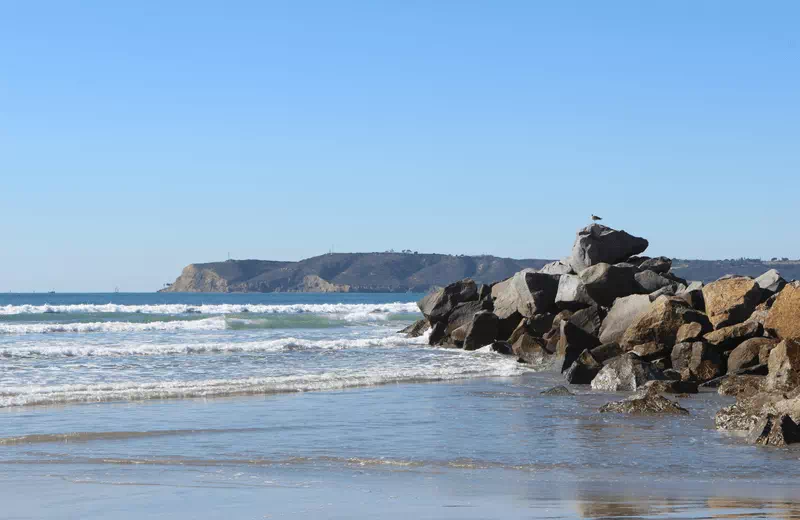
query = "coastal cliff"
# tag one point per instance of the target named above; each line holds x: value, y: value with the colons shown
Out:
x: 346, y: 272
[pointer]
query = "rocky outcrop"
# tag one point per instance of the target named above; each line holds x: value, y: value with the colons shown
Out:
x: 596, y: 244
x: 438, y: 305
x: 527, y: 293
x: 784, y: 366
x: 481, y: 331
x: 416, y: 329
x: 604, y: 283
x: 624, y: 373
x: 623, y: 313
x: 647, y: 402
x: 583, y: 370
x: 661, y: 322
x: 748, y: 353
x: 774, y: 430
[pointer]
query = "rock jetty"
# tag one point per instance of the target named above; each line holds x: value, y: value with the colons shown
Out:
x: 609, y: 317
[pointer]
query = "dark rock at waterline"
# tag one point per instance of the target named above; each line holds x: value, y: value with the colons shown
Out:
x: 626, y: 372
x: 604, y: 283
x: 503, y: 347
x: 438, y: 305
x: 774, y: 430
x: 671, y: 386
x: 538, y: 326
x: 416, y: 329
x: 705, y: 363
x: 463, y: 312
x: 558, y: 391
x: 532, y: 350
x: 481, y: 331
x: 572, y: 341
x: 648, y: 402
x: 583, y: 369
x: 596, y: 244
x: 606, y: 352
x: 438, y: 333
x: 740, y: 385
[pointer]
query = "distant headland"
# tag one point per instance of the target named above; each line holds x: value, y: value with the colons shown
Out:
x: 408, y: 272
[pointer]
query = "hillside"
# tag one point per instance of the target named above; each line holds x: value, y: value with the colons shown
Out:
x: 347, y: 272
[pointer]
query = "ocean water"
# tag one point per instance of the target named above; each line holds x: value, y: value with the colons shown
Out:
x: 306, y: 405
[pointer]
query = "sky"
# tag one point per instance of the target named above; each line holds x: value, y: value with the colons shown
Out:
x: 137, y: 137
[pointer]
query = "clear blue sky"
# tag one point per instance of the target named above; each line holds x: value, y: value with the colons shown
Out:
x: 137, y: 137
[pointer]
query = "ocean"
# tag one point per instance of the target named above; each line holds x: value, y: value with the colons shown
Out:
x: 312, y: 406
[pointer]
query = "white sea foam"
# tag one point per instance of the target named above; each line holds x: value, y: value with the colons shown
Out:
x: 81, y: 349
x: 477, y: 364
x: 215, y: 323
x: 345, y: 309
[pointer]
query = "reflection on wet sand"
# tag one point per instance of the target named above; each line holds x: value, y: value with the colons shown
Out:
x: 630, y: 506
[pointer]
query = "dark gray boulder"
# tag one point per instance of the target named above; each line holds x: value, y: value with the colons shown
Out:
x: 606, y: 352
x: 481, y: 331
x: 740, y: 386
x: 572, y: 341
x: 558, y: 391
x: 596, y: 244
x: 571, y: 294
x: 532, y: 350
x: 770, y: 283
x: 583, y: 369
x: 589, y: 319
x: 527, y: 293
x: 438, y: 305
x: 660, y: 264
x: 621, y: 315
x: 671, y: 386
x: 680, y: 356
x: 503, y: 347
x: 485, y: 292
x: 604, y: 283
x: 438, y: 333
x: 651, y: 281
x: 416, y: 329
x: 625, y: 373
x: 463, y: 312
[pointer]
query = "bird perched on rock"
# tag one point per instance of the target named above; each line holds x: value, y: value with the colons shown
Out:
x: 596, y: 218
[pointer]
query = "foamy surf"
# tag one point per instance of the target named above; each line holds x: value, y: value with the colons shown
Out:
x: 215, y: 323
x: 344, y: 309
x: 480, y: 364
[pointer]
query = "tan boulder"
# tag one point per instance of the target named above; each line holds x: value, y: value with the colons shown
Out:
x: 784, y: 316
x: 661, y: 322
x: 784, y: 366
x: 731, y: 300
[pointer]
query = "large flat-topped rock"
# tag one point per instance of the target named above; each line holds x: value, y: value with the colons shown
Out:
x: 596, y: 243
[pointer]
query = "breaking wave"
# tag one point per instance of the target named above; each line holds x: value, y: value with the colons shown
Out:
x: 345, y: 309
x: 478, y: 364
x: 216, y: 323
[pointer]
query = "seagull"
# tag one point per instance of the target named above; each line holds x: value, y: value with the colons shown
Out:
x: 596, y: 218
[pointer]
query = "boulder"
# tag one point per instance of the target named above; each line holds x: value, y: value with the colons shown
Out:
x: 503, y: 347
x: 572, y: 341
x: 558, y: 391
x: 652, y: 351
x: 589, y: 319
x: 532, y: 350
x: 770, y: 283
x: 604, y: 283
x: 538, y: 326
x: 485, y: 292
x: 748, y: 353
x: 572, y: 294
x: 557, y: 267
x: 621, y: 315
x: 727, y: 338
x: 481, y: 331
x: 660, y: 264
x: 705, y: 363
x: 661, y: 322
x: 783, y: 320
x: 731, y: 300
x: 438, y: 333
x: 438, y: 305
x: 693, y: 295
x: 735, y: 417
x: 625, y: 373
x: 583, y: 369
x: 668, y: 290
x: 671, y: 387
x: 651, y: 281
x: 527, y: 293
x: 681, y: 354
x: 416, y: 329
x: 740, y: 386
x: 596, y: 244
x: 648, y: 402
x: 463, y: 312
x: 774, y: 430
x: 784, y: 366
x: 689, y: 332
x: 606, y: 352
x: 766, y: 350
